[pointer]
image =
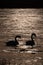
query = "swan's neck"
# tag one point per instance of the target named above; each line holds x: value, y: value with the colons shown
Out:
x: 32, y: 40
x: 15, y: 39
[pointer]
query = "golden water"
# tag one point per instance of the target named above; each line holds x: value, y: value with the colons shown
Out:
x: 21, y: 22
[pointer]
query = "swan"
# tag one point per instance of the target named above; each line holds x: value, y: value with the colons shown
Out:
x: 13, y: 42
x: 32, y: 41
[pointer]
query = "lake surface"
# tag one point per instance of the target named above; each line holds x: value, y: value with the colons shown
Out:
x: 21, y: 22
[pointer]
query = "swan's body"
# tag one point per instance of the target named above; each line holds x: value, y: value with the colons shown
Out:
x: 12, y: 42
x: 31, y: 42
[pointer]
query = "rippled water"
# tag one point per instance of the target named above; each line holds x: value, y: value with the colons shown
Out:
x: 22, y: 22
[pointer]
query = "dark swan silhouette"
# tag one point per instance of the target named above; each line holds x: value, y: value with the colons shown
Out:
x: 31, y: 42
x: 12, y: 42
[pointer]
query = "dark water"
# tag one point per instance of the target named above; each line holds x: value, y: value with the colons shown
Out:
x: 22, y: 22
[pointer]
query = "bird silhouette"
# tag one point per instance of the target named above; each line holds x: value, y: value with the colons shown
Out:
x: 31, y: 42
x: 13, y: 42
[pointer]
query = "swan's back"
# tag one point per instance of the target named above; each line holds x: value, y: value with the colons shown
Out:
x: 30, y: 42
x: 12, y: 43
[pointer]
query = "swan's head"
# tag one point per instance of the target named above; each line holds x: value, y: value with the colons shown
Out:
x: 33, y: 36
x: 18, y: 36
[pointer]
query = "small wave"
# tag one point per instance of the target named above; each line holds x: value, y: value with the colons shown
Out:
x: 5, y: 51
x: 39, y: 58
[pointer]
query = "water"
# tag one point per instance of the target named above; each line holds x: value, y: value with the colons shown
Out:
x: 21, y: 22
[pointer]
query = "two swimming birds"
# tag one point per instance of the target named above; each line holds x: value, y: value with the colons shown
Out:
x: 15, y: 43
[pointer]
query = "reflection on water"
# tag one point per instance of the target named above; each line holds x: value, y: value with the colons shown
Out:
x: 22, y: 22
x: 22, y: 61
